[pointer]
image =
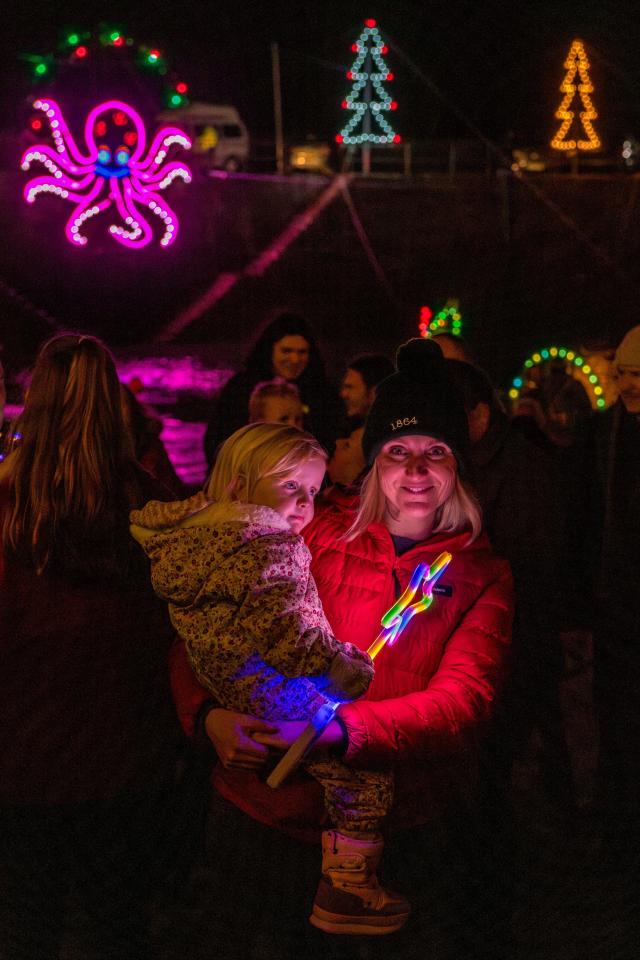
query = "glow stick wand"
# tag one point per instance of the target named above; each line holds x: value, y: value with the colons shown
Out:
x: 393, y: 623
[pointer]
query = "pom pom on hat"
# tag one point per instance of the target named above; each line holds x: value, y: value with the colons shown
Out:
x: 628, y: 353
x: 418, y: 399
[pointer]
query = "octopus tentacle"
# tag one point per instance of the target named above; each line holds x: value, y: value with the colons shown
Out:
x: 57, y: 187
x: 159, y: 148
x: 137, y: 232
x: 57, y: 165
x: 160, y: 208
x: 87, y: 207
x: 62, y: 136
x: 164, y: 176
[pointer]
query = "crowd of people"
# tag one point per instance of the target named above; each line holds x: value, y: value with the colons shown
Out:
x: 163, y: 648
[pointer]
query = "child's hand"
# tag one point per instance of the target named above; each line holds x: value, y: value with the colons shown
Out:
x: 350, y: 674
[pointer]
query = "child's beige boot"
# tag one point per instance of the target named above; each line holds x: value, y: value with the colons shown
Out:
x: 349, y: 899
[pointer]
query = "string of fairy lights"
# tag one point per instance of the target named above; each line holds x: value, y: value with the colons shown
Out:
x: 79, y: 46
x: 574, y: 363
x: 447, y: 320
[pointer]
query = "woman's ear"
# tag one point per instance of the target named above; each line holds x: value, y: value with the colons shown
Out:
x: 238, y: 488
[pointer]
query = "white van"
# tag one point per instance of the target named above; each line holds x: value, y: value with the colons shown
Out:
x: 220, y: 140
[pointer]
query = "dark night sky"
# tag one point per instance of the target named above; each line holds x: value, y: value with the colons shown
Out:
x: 498, y: 63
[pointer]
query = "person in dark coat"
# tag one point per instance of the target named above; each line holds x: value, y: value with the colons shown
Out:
x: 515, y: 480
x: 613, y: 551
x: 286, y: 348
x: 91, y: 755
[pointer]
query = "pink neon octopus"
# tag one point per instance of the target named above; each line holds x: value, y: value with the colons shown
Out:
x: 116, y: 171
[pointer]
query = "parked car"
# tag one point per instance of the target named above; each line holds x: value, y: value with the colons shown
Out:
x: 220, y: 139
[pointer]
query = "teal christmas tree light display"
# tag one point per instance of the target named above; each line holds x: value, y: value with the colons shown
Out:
x: 369, y: 101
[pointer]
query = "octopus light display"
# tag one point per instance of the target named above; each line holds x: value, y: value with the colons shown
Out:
x: 116, y: 171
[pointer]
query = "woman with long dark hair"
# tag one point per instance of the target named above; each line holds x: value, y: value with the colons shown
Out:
x: 286, y: 348
x: 89, y: 748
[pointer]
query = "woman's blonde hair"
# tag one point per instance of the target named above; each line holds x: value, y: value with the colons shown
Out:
x: 256, y: 451
x: 461, y: 511
x: 72, y: 478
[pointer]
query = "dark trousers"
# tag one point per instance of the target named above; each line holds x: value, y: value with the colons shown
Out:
x: 110, y: 858
x: 617, y: 697
x: 256, y: 896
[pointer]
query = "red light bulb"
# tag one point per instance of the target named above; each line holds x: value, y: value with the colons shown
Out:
x: 81, y: 52
x: 181, y: 87
x: 370, y: 23
x: 339, y: 138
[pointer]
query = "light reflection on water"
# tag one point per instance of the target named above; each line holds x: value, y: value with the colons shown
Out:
x: 169, y: 385
x: 183, y: 441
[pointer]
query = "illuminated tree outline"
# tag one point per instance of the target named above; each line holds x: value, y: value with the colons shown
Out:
x: 576, y: 63
x: 369, y: 72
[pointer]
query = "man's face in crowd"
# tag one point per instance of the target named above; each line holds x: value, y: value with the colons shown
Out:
x: 628, y: 379
x: 357, y: 396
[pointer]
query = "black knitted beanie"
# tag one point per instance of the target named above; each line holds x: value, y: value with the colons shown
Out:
x: 419, y: 399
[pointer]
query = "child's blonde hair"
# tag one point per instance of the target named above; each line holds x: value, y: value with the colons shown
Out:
x: 267, y: 390
x: 256, y: 451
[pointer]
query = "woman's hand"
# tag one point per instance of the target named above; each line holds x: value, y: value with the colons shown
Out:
x: 287, y: 732
x: 232, y: 735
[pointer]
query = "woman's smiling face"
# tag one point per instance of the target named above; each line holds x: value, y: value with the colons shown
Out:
x: 417, y: 475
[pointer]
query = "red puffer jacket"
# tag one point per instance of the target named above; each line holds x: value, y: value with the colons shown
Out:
x: 433, y: 690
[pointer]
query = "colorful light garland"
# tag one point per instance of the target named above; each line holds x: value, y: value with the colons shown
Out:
x: 79, y: 45
x: 572, y: 360
x: 116, y: 170
x: 369, y: 72
x: 576, y: 63
x: 447, y: 320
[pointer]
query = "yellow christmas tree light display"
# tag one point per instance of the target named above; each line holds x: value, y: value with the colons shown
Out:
x: 576, y: 63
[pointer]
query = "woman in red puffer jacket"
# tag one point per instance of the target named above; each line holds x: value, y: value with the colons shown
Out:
x: 433, y: 690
